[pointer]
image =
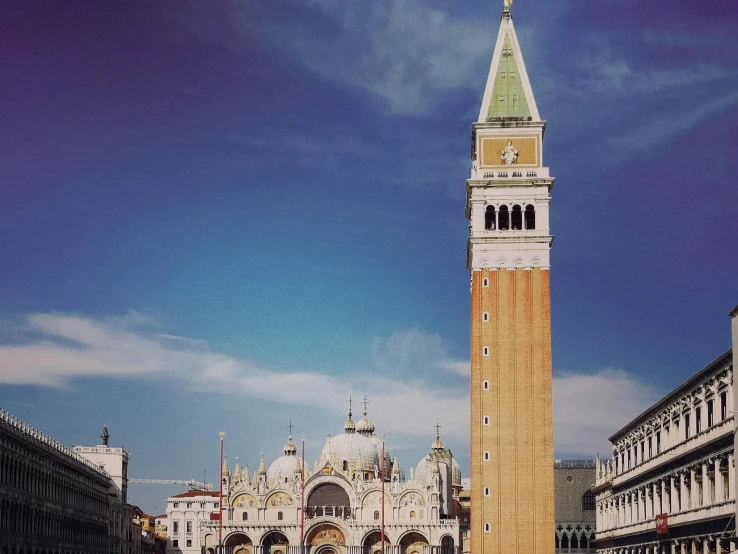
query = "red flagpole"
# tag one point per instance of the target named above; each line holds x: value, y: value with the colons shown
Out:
x: 302, y: 495
x: 383, y: 499
x: 220, y: 504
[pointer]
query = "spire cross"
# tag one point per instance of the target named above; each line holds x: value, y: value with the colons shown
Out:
x: 290, y: 428
x: 365, y: 403
x: 350, y: 400
x: 438, y: 430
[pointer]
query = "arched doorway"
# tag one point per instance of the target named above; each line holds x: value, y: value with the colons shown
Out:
x: 326, y: 539
x: 240, y: 543
x: 329, y: 500
x: 447, y: 545
x: 372, y: 543
x: 413, y: 543
x: 274, y: 542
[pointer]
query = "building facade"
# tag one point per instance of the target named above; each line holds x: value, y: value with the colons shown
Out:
x: 674, y: 466
x: 54, y: 500
x: 340, y: 510
x: 51, y: 500
x: 575, y: 506
x: 508, y: 196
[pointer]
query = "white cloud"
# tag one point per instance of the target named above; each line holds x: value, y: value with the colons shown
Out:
x: 60, y: 348
x: 588, y: 408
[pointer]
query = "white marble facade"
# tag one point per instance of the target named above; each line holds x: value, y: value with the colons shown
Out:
x: 262, y: 513
x: 675, y: 460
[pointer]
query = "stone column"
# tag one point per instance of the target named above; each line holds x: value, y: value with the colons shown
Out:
x: 664, y: 508
x: 683, y: 491
x: 705, y: 486
x: 478, y: 214
x: 648, y: 512
x: 718, y: 481
x: 731, y: 478
x: 673, y: 508
x: 694, y: 546
x: 683, y: 544
x: 694, y: 501
x: 718, y: 546
x: 706, y: 546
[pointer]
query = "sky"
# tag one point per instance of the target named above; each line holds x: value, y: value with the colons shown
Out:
x: 226, y: 215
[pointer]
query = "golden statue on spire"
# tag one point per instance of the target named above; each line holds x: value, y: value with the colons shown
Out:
x: 506, y: 4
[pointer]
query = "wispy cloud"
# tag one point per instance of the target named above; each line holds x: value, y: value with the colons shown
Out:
x: 663, y: 128
x: 405, y: 52
x: 61, y: 348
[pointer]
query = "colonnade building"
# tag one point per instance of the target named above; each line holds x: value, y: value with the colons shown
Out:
x: 54, y: 500
x: 670, y: 485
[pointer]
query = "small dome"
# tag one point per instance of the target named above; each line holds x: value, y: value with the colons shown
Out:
x: 437, y: 444
x: 365, y: 426
x: 289, y: 448
x: 349, y: 426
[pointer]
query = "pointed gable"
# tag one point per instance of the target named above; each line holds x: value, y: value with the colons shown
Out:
x: 508, y: 94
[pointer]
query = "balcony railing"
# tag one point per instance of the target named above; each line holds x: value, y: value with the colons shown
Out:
x: 341, y: 512
x: 721, y: 428
x: 726, y: 508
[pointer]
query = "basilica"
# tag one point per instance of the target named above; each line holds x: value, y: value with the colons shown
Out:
x: 340, y: 504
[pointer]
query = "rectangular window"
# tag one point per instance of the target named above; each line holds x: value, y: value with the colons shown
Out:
x: 658, y: 442
x: 643, y: 452
x: 686, y: 426
x: 698, y: 419
x: 723, y: 406
x: 189, y: 543
x: 710, y: 419
x: 628, y: 458
x: 176, y: 527
x: 635, y: 455
x: 189, y: 527
x: 650, y: 452
x: 502, y: 98
x: 175, y: 542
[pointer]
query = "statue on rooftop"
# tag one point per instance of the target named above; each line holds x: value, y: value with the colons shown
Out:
x: 105, y: 436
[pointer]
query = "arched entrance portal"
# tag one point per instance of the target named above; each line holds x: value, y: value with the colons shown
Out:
x: 274, y: 542
x: 240, y: 544
x: 447, y: 545
x: 372, y: 543
x: 413, y: 543
x: 326, y: 539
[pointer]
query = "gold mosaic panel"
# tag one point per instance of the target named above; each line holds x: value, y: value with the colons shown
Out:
x: 523, y: 151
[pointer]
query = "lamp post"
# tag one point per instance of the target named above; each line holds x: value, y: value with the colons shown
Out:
x: 220, y: 504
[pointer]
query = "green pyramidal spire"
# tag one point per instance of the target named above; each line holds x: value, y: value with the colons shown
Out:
x: 508, y: 94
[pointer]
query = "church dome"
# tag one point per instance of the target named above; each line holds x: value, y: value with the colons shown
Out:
x: 351, y: 451
x: 283, y: 468
x: 423, y: 470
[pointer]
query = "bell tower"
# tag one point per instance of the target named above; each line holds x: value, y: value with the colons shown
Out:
x: 507, y: 203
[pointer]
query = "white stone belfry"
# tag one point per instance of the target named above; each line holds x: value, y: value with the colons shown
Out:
x: 508, y: 189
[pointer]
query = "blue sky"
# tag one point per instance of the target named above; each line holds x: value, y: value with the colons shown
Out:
x: 223, y: 215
